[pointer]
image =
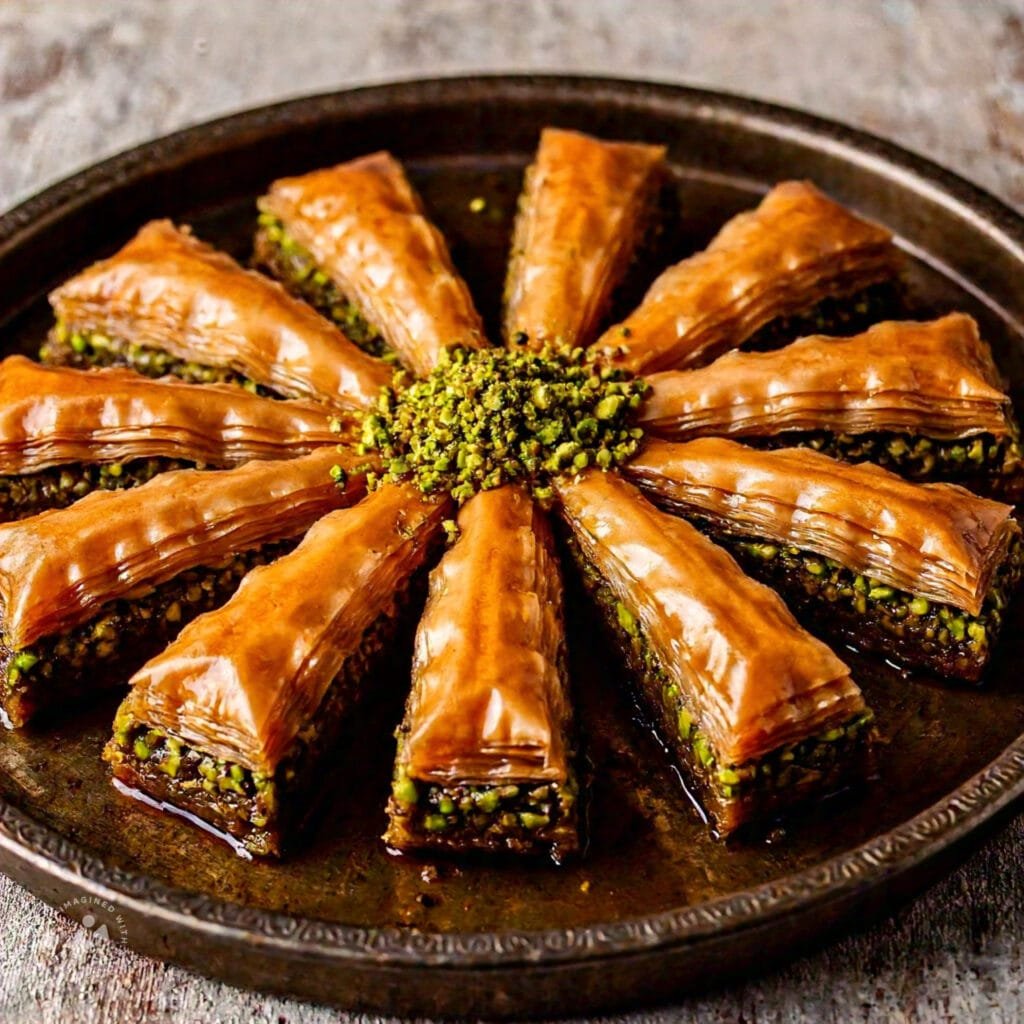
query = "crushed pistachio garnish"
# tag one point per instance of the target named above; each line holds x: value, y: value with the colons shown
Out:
x: 485, y: 417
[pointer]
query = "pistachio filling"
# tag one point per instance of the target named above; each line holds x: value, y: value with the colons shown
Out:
x: 792, y: 765
x: 66, y: 346
x: 60, y: 486
x: 917, y: 458
x: 294, y: 266
x: 191, y: 769
x: 124, y: 630
x: 483, y: 418
x: 465, y: 812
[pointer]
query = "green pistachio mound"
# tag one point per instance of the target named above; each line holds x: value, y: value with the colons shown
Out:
x: 486, y: 417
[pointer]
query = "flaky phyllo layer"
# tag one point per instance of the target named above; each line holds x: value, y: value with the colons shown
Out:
x: 488, y: 701
x: 59, y: 568
x: 166, y: 290
x: 366, y: 229
x: 782, y: 258
x: 936, y: 540
x: 51, y: 416
x: 585, y: 205
x: 935, y: 379
x: 753, y: 678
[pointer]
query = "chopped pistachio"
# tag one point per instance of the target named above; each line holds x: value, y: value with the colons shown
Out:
x: 685, y: 723
x: 486, y: 417
x: 25, y: 660
x: 487, y: 800
x: 533, y: 821
x: 703, y: 751
x: 627, y: 620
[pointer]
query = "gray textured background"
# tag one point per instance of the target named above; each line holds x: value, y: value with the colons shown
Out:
x: 81, y: 80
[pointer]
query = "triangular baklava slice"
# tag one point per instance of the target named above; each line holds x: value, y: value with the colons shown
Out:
x: 925, y: 400
x: 232, y: 723
x: 167, y: 303
x: 585, y: 206
x: 89, y: 592
x: 65, y: 432
x: 921, y: 573
x: 795, y: 251
x: 484, y: 753
x: 759, y: 713
x: 355, y: 241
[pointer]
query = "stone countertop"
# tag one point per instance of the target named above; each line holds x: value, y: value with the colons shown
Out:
x: 80, y: 81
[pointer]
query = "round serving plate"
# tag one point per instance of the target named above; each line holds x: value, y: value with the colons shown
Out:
x: 655, y: 906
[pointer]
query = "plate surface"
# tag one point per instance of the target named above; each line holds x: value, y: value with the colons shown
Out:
x: 655, y: 907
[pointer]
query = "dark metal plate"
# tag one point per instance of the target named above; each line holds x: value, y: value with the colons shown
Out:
x: 655, y: 907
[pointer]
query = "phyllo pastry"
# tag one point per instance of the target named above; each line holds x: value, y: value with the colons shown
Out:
x: 89, y: 592
x: 484, y: 754
x: 355, y: 241
x: 759, y: 713
x: 170, y: 304
x: 799, y: 256
x: 921, y: 573
x: 232, y: 724
x: 922, y: 399
x: 65, y: 432
x: 586, y: 204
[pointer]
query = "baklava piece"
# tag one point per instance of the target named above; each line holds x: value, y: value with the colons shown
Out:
x: 89, y: 592
x: 921, y: 573
x: 235, y: 722
x: 798, y: 262
x: 484, y: 754
x: 760, y: 715
x: 355, y: 241
x: 585, y: 207
x: 924, y: 400
x: 170, y: 304
x: 65, y: 432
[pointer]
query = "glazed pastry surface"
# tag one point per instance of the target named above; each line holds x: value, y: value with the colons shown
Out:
x: 53, y: 415
x: 240, y: 682
x: 365, y: 226
x: 795, y: 249
x: 936, y: 379
x: 488, y: 699
x: 937, y: 540
x: 168, y: 290
x: 754, y: 677
x: 584, y: 206
x: 59, y: 567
